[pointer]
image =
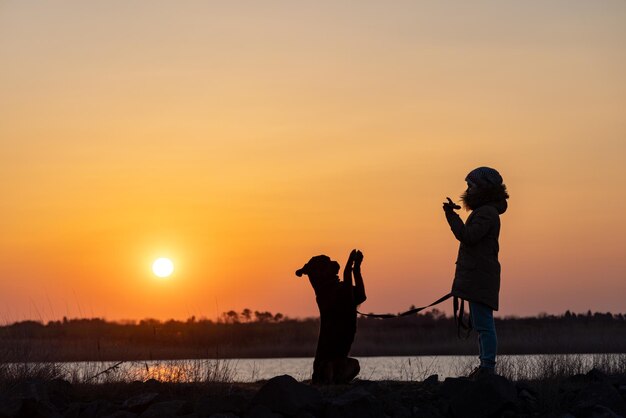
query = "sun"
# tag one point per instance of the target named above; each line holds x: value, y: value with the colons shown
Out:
x: 163, y: 267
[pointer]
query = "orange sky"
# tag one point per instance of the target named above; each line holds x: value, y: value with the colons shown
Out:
x: 242, y: 138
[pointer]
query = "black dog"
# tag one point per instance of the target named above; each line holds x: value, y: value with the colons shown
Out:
x: 337, y: 302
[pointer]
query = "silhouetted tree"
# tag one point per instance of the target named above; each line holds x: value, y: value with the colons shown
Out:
x: 263, y: 316
x: 231, y: 317
x: 246, y: 314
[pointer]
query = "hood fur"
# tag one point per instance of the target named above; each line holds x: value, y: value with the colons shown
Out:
x: 495, y: 196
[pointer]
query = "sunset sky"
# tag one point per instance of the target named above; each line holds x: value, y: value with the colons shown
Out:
x: 240, y: 138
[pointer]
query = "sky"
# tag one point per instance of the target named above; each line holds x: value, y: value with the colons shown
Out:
x: 242, y: 138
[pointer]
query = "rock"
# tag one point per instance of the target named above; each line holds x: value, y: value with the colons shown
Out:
x: 233, y: 404
x: 392, y: 402
x: 72, y: 411
x: 223, y: 415
x: 431, y: 380
x: 596, y: 375
x: 600, y: 411
x: 121, y: 414
x: 426, y: 411
x: 371, y: 387
x: 35, y: 409
x: 35, y: 398
x: 10, y: 407
x: 452, y: 386
x: 141, y: 402
x: 261, y: 411
x: 53, y: 393
x: 97, y: 409
x: 573, y: 383
x: 525, y: 387
x: 528, y: 397
x: 488, y: 396
x: 33, y: 389
x: 597, y: 393
x: 283, y: 394
x: 166, y: 409
x: 187, y: 408
x: 399, y: 412
x: 355, y: 403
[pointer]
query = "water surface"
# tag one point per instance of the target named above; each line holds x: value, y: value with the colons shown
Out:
x: 402, y: 368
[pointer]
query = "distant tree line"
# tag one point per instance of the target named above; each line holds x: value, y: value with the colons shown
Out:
x: 264, y: 334
x: 234, y: 317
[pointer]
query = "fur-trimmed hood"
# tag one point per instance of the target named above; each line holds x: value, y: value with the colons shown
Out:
x: 493, y: 195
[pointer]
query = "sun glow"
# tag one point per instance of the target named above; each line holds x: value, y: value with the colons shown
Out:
x: 163, y: 267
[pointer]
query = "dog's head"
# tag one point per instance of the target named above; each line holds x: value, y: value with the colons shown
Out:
x: 320, y: 268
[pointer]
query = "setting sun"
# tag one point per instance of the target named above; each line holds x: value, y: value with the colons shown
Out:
x: 163, y: 267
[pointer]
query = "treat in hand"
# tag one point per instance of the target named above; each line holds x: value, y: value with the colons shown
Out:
x: 450, y: 205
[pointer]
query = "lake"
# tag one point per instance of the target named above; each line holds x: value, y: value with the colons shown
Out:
x: 414, y: 368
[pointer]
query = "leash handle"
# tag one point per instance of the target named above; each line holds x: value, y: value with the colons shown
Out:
x: 463, y: 329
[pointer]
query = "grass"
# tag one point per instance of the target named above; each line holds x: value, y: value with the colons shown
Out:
x: 11, y: 372
x: 410, y: 369
x: 513, y: 367
x: 549, y: 367
x: 29, y: 366
x: 544, y: 367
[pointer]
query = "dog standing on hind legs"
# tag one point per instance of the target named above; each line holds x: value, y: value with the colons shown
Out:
x: 337, y: 302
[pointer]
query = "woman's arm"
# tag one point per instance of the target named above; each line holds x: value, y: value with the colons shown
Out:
x: 482, y: 220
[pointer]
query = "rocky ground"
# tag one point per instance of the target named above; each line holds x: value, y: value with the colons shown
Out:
x: 592, y: 395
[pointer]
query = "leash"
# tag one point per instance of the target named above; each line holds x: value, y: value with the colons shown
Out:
x: 463, y: 328
x: 409, y: 312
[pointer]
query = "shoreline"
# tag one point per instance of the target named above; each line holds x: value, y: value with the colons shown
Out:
x: 378, y: 368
